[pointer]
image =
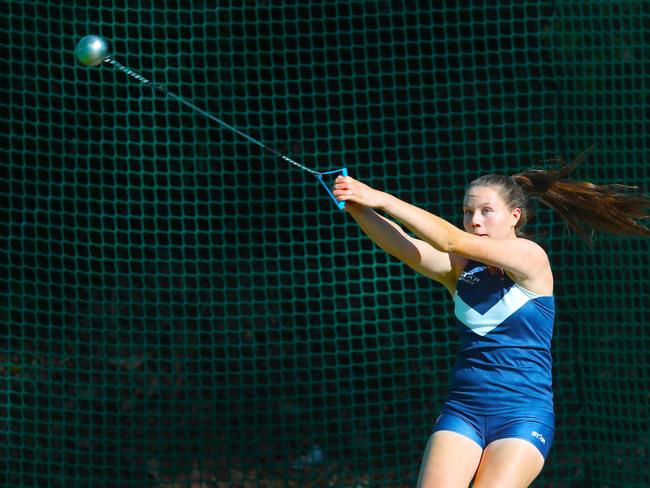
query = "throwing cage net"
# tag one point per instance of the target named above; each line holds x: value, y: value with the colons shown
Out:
x: 179, y: 308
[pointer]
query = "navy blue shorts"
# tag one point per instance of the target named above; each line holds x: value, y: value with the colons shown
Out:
x: 535, y: 427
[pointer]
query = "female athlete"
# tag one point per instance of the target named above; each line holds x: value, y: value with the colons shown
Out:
x: 497, y: 424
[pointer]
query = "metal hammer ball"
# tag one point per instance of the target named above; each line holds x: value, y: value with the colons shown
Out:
x: 91, y: 50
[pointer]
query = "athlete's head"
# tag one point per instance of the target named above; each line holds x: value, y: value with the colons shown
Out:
x: 494, y: 206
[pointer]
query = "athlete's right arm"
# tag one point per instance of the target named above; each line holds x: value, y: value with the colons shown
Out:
x: 415, y: 253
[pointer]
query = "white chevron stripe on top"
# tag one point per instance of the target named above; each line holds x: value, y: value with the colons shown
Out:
x: 512, y: 301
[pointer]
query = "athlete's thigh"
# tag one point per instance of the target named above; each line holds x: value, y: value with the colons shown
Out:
x: 509, y: 463
x: 450, y: 460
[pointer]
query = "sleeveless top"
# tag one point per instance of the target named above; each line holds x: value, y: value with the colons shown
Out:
x: 504, y: 359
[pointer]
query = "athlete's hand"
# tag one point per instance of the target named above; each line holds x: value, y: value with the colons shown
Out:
x: 347, y: 189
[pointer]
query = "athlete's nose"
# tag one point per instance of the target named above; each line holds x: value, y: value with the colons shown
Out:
x: 472, y: 221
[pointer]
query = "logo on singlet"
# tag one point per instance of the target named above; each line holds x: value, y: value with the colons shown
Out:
x: 468, y: 276
x: 538, y: 436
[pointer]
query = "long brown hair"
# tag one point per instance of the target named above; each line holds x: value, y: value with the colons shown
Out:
x: 584, y: 206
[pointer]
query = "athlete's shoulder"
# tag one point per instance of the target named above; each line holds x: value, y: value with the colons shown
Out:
x: 531, y: 244
x: 534, y: 272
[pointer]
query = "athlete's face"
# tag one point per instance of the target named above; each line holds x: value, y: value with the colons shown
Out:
x: 486, y: 213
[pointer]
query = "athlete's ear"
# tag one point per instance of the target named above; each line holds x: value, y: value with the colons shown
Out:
x: 516, y: 215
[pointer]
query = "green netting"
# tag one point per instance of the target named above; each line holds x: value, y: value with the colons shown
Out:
x: 180, y: 309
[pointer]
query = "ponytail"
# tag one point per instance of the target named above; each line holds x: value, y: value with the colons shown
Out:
x: 584, y: 206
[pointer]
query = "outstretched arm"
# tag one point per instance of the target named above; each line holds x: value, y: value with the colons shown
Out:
x: 415, y: 253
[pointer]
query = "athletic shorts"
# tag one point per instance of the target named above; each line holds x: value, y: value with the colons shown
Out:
x: 535, y: 427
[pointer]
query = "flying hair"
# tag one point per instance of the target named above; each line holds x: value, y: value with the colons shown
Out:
x: 584, y: 206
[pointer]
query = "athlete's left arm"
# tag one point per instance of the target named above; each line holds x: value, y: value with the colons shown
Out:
x: 521, y: 257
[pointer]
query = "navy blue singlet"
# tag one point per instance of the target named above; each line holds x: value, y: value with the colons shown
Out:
x: 504, y: 360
